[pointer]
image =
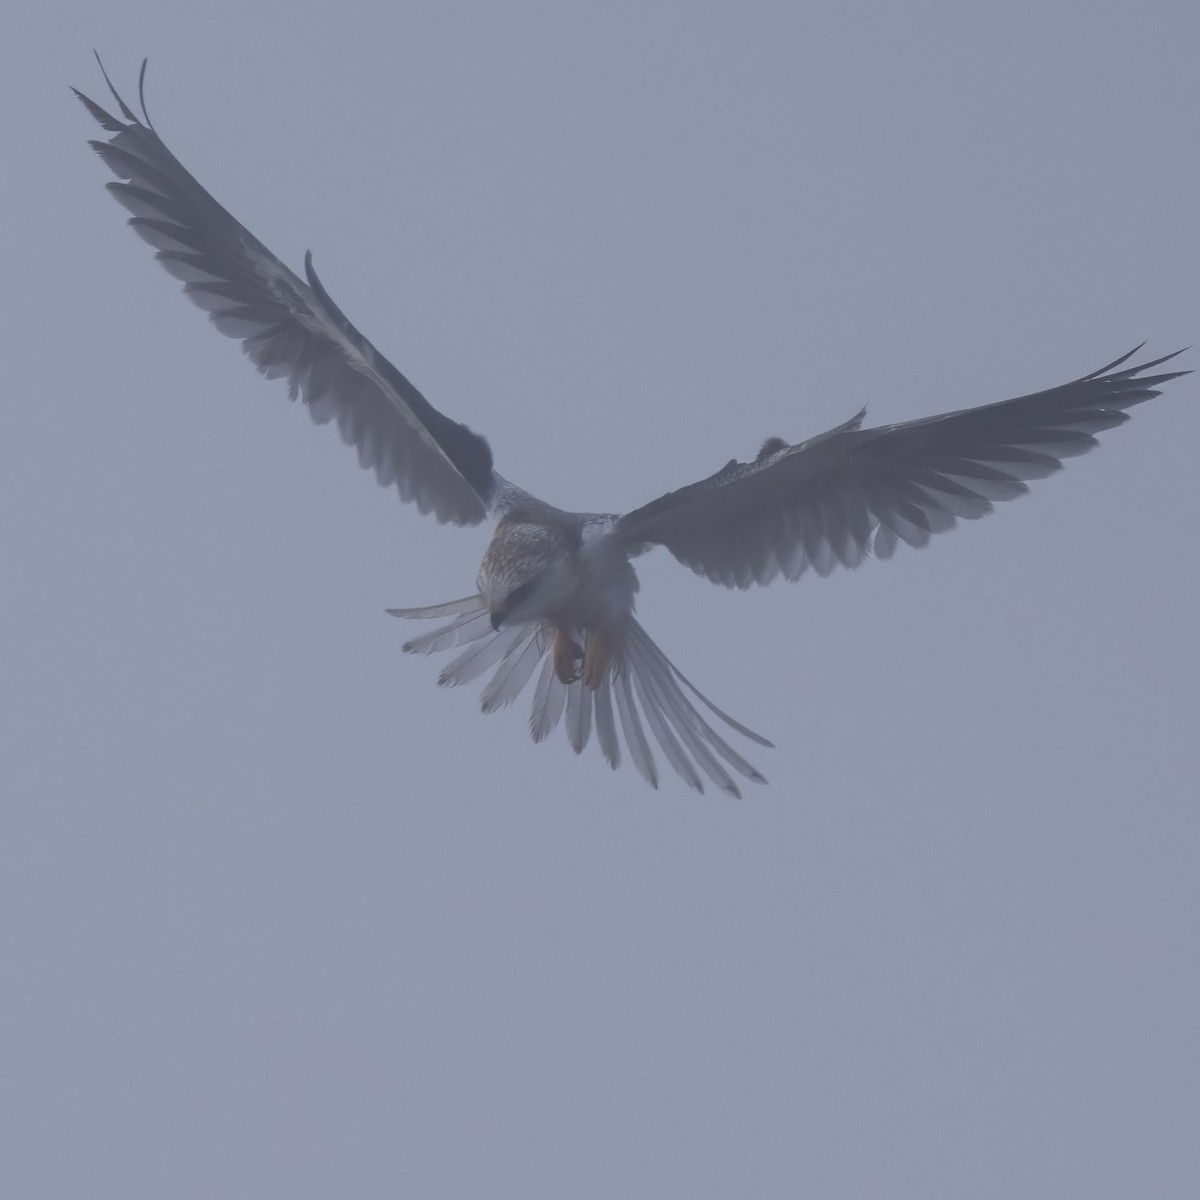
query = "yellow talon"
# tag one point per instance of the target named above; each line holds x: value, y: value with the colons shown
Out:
x: 566, y: 654
x: 596, y: 658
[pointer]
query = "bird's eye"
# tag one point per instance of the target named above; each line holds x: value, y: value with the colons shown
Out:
x: 517, y: 595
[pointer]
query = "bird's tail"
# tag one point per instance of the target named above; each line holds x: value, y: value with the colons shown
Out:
x: 639, y: 696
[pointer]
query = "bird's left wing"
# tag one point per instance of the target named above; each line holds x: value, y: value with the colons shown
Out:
x: 291, y: 328
x: 835, y: 498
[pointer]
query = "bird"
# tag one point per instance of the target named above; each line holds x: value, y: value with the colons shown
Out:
x: 556, y: 590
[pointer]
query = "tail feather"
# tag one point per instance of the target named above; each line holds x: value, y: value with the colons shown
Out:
x: 666, y: 670
x: 688, y: 724
x: 635, y: 739
x: 468, y: 604
x: 579, y: 716
x: 514, y: 672
x: 481, y: 655
x: 606, y: 731
x: 650, y: 694
x: 548, y: 702
x: 470, y: 625
x: 712, y: 708
x: 654, y: 712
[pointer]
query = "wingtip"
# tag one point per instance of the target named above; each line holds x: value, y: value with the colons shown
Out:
x: 142, y: 92
x: 1109, y: 368
x: 104, y: 118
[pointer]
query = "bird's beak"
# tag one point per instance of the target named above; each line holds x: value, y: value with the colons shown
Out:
x: 497, y: 619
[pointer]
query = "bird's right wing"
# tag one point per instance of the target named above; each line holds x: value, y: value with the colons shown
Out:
x: 835, y: 498
x: 291, y: 328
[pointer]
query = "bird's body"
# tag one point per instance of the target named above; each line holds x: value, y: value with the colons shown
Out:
x: 567, y: 569
x: 556, y: 589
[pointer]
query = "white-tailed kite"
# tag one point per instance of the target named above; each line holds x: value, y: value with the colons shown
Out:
x: 557, y: 588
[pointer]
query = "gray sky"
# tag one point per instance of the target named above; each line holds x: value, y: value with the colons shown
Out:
x: 281, y: 918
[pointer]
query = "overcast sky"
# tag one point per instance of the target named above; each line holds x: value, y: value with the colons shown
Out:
x: 279, y: 917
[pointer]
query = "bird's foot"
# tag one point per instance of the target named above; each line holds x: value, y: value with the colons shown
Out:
x: 567, y: 656
x: 596, y: 658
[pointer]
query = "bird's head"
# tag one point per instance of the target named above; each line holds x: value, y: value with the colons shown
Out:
x: 512, y: 605
x: 525, y: 575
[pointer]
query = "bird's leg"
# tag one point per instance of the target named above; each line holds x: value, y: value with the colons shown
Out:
x: 596, y: 658
x: 567, y: 655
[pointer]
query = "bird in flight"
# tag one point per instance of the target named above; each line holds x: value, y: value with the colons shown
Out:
x: 556, y: 589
